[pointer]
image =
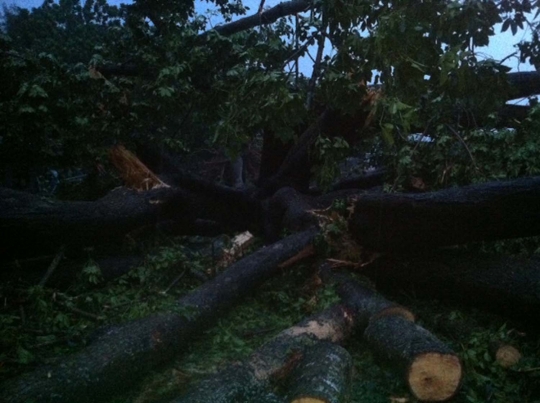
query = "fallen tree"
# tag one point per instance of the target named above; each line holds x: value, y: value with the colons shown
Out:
x: 422, y: 222
x: 274, y: 360
x: 432, y: 371
x: 323, y: 376
x: 119, y: 358
x: 46, y: 224
x: 506, y: 285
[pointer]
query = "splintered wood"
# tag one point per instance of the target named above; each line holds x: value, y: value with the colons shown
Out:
x: 435, y: 377
x: 133, y: 172
x: 239, y: 245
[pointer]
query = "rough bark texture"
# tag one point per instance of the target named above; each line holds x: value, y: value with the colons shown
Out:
x: 524, y: 83
x: 121, y: 357
x: 365, y: 303
x: 432, y: 371
x: 413, y: 222
x: 267, y: 17
x: 275, y: 359
x: 324, y: 375
x: 502, y: 284
x: 37, y: 225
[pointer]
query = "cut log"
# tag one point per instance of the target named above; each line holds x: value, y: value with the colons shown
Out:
x: 274, y: 360
x: 432, y: 371
x: 366, y: 303
x: 122, y: 356
x: 323, y: 376
x: 505, y: 354
x: 505, y: 285
x: 420, y: 222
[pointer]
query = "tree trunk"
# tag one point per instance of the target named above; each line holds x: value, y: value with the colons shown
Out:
x: 44, y: 224
x: 323, y: 376
x: 275, y: 359
x: 420, y: 222
x: 502, y: 284
x: 432, y: 371
x: 366, y: 304
x: 120, y: 358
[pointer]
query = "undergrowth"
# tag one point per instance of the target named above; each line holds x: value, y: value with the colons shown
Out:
x: 39, y: 325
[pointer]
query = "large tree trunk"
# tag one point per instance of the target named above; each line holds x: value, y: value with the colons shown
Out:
x: 47, y: 224
x: 420, y: 222
x: 433, y: 372
x: 323, y: 376
x: 365, y: 303
x: 275, y: 359
x: 34, y: 225
x: 502, y: 284
x: 122, y: 356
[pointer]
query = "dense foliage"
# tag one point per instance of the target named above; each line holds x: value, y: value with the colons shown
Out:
x: 78, y: 77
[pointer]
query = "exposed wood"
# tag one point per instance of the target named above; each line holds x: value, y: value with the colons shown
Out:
x: 502, y: 284
x: 239, y: 244
x: 419, y: 222
x: 366, y: 303
x: 275, y: 359
x: 133, y: 172
x: 324, y: 375
x: 266, y: 17
x: 120, y: 357
x: 505, y: 354
x: 432, y: 371
x: 303, y: 254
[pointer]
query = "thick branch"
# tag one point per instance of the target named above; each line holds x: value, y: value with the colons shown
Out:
x: 502, y: 284
x: 267, y: 17
x: 412, y: 222
x: 121, y: 357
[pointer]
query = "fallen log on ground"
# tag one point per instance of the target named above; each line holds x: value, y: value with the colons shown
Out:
x: 274, y: 360
x: 323, y: 376
x: 119, y: 358
x: 365, y: 303
x: 506, y: 285
x: 432, y: 371
x: 420, y: 222
x: 34, y: 225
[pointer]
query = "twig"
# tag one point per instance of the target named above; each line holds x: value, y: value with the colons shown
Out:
x: 533, y: 369
x: 304, y: 253
x: 464, y: 144
x: 22, y: 315
x: 176, y: 280
x: 74, y: 310
x: 80, y: 312
x: 53, y: 266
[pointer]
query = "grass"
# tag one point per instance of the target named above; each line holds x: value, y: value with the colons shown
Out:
x: 50, y: 329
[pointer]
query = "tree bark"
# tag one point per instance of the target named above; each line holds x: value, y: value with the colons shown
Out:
x: 34, y: 225
x: 364, y: 302
x: 323, y: 376
x: 275, y: 359
x: 121, y: 357
x: 502, y: 284
x: 420, y: 222
x: 432, y: 371
x: 524, y: 83
x: 267, y: 17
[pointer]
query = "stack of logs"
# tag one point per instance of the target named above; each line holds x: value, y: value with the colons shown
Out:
x: 308, y: 360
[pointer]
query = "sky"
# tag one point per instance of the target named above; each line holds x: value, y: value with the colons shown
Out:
x: 501, y: 45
